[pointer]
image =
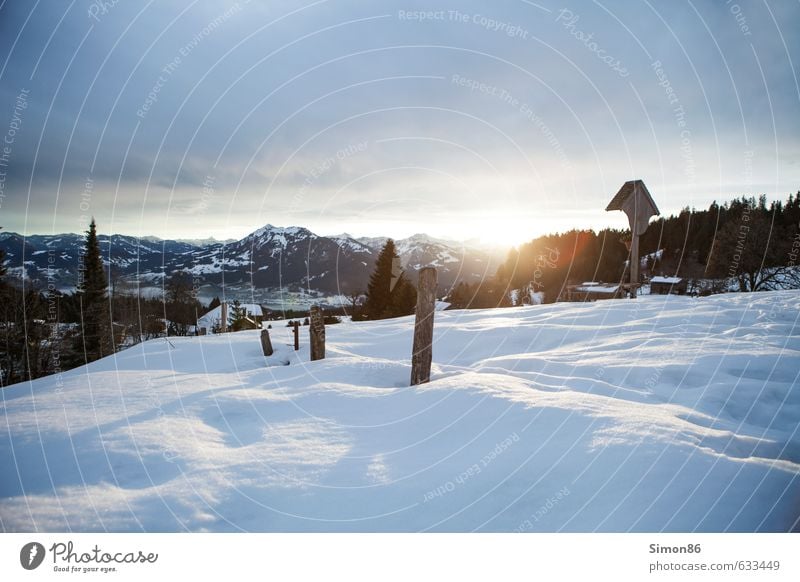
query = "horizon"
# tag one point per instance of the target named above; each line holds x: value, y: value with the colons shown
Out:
x: 617, y: 221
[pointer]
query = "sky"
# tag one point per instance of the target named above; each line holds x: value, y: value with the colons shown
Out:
x: 497, y: 121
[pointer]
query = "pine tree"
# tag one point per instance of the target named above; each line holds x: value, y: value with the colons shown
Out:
x: 238, y: 316
x: 96, y: 335
x: 378, y: 289
x: 402, y: 299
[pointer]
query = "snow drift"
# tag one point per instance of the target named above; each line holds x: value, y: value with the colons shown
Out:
x: 660, y: 414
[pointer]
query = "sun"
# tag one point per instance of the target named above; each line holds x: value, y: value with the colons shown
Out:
x: 508, y: 230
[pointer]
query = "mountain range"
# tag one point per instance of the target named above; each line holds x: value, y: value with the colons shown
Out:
x: 273, y: 265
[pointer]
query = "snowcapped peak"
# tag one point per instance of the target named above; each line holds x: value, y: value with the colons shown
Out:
x: 262, y: 231
x: 295, y: 230
x: 422, y: 238
x: 271, y: 232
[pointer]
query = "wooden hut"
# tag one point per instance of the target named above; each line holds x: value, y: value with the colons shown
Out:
x: 668, y: 286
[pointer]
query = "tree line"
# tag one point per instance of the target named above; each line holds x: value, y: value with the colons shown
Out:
x: 46, y: 331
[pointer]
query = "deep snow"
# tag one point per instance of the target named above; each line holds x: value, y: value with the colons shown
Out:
x: 663, y: 413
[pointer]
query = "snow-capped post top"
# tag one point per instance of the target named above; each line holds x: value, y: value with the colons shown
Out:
x: 634, y: 200
x: 422, y: 351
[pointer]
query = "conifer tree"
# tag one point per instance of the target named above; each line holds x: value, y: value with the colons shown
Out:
x: 378, y: 288
x: 402, y: 299
x: 238, y: 316
x: 95, y: 334
x: 383, y: 302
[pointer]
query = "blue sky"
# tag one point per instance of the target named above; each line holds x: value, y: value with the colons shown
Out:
x: 497, y: 120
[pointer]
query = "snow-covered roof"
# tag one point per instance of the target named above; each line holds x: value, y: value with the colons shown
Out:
x: 668, y: 280
x: 598, y: 288
x: 213, y: 317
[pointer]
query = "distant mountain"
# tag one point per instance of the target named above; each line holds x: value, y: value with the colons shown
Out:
x: 454, y: 261
x: 272, y: 262
x: 54, y: 259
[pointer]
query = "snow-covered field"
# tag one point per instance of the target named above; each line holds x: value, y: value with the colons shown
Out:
x: 664, y: 413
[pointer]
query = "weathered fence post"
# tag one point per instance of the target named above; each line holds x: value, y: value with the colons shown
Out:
x: 223, y: 320
x: 296, y: 327
x: 422, y: 351
x: 316, y: 333
x: 266, y: 344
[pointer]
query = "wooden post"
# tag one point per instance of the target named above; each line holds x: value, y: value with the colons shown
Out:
x: 266, y: 344
x: 296, y: 327
x: 635, y: 201
x: 223, y: 322
x: 634, y: 265
x: 316, y: 333
x: 422, y: 351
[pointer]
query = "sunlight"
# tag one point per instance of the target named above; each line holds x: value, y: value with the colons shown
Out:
x: 506, y: 230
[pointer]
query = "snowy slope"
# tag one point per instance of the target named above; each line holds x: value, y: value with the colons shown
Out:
x: 664, y: 413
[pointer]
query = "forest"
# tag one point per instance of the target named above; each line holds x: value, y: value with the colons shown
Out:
x: 747, y: 242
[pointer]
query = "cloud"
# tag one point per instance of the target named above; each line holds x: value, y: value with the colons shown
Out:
x: 506, y: 109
